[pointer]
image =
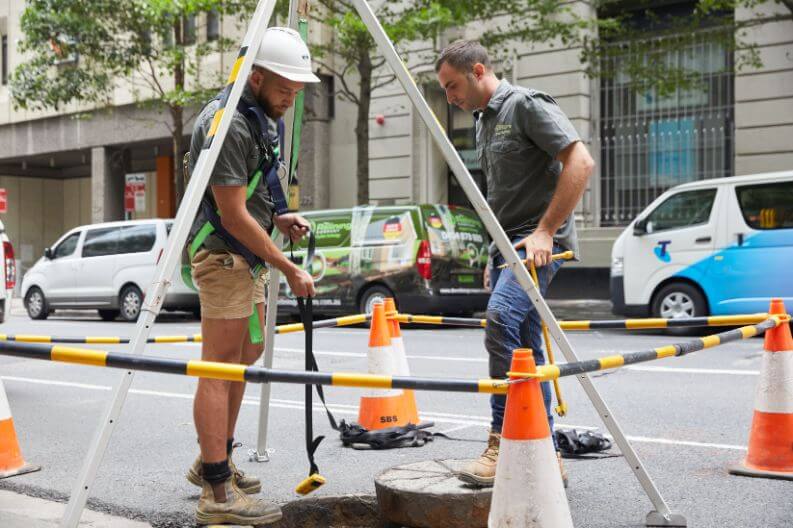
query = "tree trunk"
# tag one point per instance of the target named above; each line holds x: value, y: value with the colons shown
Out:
x: 177, y: 116
x: 362, y: 127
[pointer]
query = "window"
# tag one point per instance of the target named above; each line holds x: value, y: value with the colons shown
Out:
x: 189, y: 29
x: 67, y: 246
x: 767, y: 205
x: 100, y: 242
x: 137, y: 239
x: 4, y: 60
x: 386, y: 229
x: 213, y: 26
x: 684, y: 209
x: 650, y: 141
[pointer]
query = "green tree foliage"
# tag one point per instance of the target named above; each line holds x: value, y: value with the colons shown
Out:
x: 81, y: 50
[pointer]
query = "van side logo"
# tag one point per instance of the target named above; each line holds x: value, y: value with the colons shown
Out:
x: 661, y: 251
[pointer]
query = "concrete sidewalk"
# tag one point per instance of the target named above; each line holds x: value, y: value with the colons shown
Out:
x: 21, y: 511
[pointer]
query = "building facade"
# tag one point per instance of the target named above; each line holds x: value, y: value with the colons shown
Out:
x: 68, y: 167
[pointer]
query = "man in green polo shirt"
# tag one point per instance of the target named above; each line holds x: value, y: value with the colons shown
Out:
x: 536, y: 169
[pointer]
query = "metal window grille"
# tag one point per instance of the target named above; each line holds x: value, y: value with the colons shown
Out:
x: 649, y: 143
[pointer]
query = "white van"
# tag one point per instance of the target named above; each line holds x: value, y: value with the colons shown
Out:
x: 8, y: 275
x: 713, y: 247
x: 106, y: 267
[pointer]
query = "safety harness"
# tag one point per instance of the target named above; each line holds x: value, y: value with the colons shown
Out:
x: 271, y: 149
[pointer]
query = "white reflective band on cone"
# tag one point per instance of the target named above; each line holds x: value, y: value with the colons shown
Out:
x: 775, y: 389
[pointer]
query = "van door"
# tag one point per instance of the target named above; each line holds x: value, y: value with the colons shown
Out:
x: 755, y: 263
x: 98, y: 267
x: 331, y: 265
x: 459, y: 248
x: 675, y: 238
x: 62, y: 269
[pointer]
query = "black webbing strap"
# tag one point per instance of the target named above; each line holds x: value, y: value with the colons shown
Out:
x: 306, y: 315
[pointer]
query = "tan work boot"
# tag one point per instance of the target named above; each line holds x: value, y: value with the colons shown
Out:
x: 238, y: 508
x: 482, y: 472
x: 562, y: 470
x: 247, y: 484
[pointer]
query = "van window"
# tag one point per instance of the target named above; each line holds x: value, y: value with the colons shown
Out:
x: 67, y: 246
x: 456, y: 232
x: 100, y: 242
x: 767, y: 205
x: 137, y: 238
x: 389, y: 228
x: 683, y: 209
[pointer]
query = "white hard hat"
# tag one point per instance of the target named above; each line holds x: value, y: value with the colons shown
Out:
x: 283, y: 52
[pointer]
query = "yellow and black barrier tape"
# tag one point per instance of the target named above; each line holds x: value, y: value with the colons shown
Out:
x: 617, y: 324
x: 233, y: 372
x: 195, y: 338
x: 550, y: 372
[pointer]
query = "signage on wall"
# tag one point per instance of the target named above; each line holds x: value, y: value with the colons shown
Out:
x: 3, y: 200
x: 135, y: 193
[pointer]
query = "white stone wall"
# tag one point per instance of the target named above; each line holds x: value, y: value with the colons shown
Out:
x: 764, y: 99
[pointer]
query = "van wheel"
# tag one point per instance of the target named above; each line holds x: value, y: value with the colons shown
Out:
x: 679, y: 300
x: 372, y: 295
x: 36, y: 304
x: 130, y: 302
x: 108, y: 315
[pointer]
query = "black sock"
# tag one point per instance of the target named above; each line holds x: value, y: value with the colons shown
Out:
x: 229, y: 446
x: 216, y: 472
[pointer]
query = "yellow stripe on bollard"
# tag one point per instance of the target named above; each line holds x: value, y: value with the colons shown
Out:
x: 80, y: 356
x: 666, y: 351
x: 611, y: 362
x: 26, y: 338
x: 632, y: 324
x: 710, y: 341
x: 370, y: 381
x: 102, y: 340
x: 170, y: 339
x: 216, y: 370
x: 573, y: 325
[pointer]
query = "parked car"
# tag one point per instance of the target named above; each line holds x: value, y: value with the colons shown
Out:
x: 9, y: 273
x: 713, y: 247
x: 430, y: 258
x: 106, y: 267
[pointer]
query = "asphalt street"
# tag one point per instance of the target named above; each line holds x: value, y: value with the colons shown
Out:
x: 688, y: 418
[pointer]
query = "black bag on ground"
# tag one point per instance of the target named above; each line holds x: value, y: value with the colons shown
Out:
x: 410, y: 435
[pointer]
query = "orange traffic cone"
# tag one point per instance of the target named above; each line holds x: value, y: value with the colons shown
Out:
x: 381, y: 408
x: 528, y: 491
x: 770, y: 453
x: 11, y: 461
x: 401, y: 360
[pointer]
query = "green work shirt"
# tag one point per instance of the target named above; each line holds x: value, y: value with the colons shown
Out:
x: 518, y: 137
x: 238, y: 158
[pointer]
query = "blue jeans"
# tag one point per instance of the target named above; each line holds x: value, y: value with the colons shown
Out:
x: 512, y: 322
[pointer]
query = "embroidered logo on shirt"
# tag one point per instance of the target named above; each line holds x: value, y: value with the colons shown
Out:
x: 502, y: 131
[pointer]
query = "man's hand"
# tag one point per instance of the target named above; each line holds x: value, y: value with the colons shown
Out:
x: 292, y: 225
x: 538, y: 246
x: 486, y: 278
x: 300, y: 282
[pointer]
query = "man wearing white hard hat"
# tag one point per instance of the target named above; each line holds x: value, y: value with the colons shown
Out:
x: 229, y: 245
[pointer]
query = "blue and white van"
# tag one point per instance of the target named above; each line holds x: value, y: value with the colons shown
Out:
x: 712, y: 247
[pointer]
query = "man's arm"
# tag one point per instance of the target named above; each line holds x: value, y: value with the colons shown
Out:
x: 577, y: 166
x: 236, y: 219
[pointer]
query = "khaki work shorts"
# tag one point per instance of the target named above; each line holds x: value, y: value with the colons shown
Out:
x: 226, y: 288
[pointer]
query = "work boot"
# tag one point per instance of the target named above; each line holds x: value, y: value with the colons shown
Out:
x: 247, y: 484
x: 562, y: 470
x: 238, y: 508
x: 482, y: 472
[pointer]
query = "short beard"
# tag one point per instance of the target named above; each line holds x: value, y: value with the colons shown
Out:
x: 268, y: 109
